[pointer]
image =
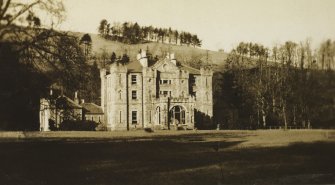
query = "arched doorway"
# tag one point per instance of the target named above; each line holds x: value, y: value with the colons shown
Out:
x: 177, y: 115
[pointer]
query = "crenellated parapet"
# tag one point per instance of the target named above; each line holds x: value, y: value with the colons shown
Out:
x: 183, y: 74
x: 206, y: 71
x: 189, y: 99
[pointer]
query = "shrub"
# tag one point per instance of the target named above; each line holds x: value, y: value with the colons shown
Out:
x: 101, y: 127
x: 52, y: 125
x: 148, y: 129
x: 78, y: 125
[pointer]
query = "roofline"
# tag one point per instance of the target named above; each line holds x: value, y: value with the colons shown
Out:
x: 88, y: 113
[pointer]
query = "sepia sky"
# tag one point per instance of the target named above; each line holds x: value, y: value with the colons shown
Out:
x: 219, y: 23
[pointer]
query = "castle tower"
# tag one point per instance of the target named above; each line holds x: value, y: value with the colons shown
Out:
x: 204, y: 96
x: 149, y: 92
x: 116, y: 97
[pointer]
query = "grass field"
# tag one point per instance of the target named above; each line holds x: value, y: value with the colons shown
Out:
x: 168, y: 157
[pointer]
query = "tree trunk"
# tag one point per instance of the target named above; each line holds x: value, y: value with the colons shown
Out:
x: 284, y: 115
x: 294, y: 116
x: 264, y: 120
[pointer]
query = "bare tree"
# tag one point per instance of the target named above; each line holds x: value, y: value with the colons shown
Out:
x: 16, y: 15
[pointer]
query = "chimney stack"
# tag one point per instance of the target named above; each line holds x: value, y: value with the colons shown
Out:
x: 142, y: 58
x: 173, y: 60
x: 76, y: 97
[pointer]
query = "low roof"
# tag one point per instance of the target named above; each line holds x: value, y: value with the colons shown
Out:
x: 191, y: 70
x: 92, y: 108
x: 134, y: 67
x: 70, y: 103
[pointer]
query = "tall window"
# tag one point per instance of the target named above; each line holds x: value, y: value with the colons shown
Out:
x: 134, y: 117
x: 133, y: 95
x: 133, y: 79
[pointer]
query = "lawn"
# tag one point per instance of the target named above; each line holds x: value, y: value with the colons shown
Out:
x: 168, y: 157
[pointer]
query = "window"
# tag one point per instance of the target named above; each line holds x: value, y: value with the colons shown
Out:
x: 165, y: 81
x: 164, y: 92
x: 120, y: 116
x: 120, y: 81
x: 134, y: 117
x: 120, y: 95
x: 133, y: 95
x: 133, y: 79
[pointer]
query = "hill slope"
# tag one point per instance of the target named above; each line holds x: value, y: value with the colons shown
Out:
x: 182, y: 53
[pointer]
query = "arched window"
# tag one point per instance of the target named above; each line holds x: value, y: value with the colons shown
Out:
x: 177, y: 114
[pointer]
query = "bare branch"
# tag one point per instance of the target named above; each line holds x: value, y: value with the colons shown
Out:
x: 22, y: 11
x: 4, y: 9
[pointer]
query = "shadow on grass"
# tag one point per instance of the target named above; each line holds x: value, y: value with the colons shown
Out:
x: 163, y: 162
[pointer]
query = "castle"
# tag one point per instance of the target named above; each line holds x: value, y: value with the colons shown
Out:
x: 164, y: 95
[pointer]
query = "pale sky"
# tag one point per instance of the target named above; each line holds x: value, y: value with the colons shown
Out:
x: 218, y: 23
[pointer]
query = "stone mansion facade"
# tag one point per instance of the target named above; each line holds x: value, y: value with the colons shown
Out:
x: 163, y: 95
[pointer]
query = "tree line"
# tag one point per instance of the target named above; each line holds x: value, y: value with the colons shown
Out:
x: 287, y: 86
x: 133, y: 33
